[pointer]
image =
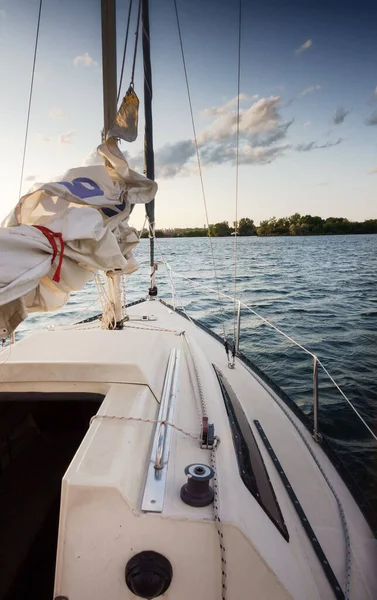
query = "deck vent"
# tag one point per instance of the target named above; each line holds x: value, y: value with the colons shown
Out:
x: 148, y: 574
x: 197, y: 491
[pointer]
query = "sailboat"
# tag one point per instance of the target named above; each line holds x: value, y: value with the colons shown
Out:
x: 143, y: 456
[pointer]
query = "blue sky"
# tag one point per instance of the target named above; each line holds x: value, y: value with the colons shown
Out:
x: 308, y: 104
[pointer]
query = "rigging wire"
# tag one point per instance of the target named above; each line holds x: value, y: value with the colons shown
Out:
x: 237, y: 175
x: 125, y: 49
x: 135, y: 48
x: 199, y: 163
x: 30, y: 96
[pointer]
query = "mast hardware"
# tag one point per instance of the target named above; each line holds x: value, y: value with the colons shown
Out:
x: 207, y: 438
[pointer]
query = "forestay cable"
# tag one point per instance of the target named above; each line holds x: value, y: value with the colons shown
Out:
x: 199, y: 163
x: 237, y: 175
x: 30, y: 96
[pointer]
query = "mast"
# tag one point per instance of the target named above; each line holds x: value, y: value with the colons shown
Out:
x: 109, y: 81
x: 109, y: 63
x: 148, y: 137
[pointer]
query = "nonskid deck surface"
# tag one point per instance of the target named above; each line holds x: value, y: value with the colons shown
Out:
x: 104, y: 485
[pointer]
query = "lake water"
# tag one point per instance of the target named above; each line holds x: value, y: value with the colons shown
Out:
x: 322, y: 291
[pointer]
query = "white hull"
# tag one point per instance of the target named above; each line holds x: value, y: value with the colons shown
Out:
x: 102, y: 524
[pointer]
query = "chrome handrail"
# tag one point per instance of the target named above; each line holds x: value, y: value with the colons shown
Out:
x: 316, y: 361
x: 154, y: 491
x: 158, y: 464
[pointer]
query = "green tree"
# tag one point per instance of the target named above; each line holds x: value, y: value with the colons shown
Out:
x: 221, y: 229
x: 267, y: 227
x: 246, y: 227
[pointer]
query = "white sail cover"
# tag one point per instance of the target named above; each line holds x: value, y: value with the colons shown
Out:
x: 62, y: 233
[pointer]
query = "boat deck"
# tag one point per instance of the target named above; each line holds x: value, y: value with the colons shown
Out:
x: 102, y: 523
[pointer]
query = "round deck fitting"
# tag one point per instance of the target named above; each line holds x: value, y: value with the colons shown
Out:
x: 148, y: 574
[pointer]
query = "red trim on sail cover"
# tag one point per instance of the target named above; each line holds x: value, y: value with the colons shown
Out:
x: 51, y: 235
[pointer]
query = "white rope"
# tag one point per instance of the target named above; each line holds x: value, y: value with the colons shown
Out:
x: 80, y: 313
x: 108, y: 312
x: 198, y: 391
x: 123, y: 295
x: 30, y: 96
x: 124, y: 49
x: 5, y: 352
x: 199, y: 162
x: 218, y: 522
x: 140, y: 420
x: 142, y: 327
x: 202, y: 412
x: 142, y: 229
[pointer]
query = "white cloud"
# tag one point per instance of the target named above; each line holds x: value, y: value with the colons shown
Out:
x: 3, y: 13
x: 261, y: 126
x: 56, y: 113
x: 375, y: 92
x: 222, y: 110
x: 86, y: 60
x: 260, y: 123
x: 310, y: 90
x: 305, y: 46
x: 93, y: 158
x: 307, y: 124
x: 41, y: 138
x: 248, y: 154
x: 373, y: 171
x: 66, y: 138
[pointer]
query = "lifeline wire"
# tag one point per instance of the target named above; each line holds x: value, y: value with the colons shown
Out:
x: 288, y: 337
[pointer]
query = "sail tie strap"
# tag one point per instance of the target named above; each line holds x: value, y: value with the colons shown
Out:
x: 51, y: 236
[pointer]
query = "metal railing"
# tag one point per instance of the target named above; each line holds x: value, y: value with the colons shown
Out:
x: 316, y: 361
x: 154, y: 491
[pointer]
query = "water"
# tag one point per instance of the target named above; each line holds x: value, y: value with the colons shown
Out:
x: 322, y: 291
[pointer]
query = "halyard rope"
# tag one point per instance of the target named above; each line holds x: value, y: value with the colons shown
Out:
x: 199, y: 164
x: 30, y: 96
x: 124, y: 49
x: 202, y: 412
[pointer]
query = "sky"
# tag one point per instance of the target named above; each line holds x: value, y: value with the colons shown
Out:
x: 308, y: 104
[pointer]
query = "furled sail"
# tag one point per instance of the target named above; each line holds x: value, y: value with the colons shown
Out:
x: 62, y: 233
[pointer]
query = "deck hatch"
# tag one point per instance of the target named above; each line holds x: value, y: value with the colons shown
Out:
x: 250, y: 462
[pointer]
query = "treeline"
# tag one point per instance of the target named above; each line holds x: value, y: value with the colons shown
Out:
x: 293, y: 225
x: 308, y: 225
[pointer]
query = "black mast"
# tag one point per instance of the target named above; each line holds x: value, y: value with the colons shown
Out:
x: 148, y: 136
